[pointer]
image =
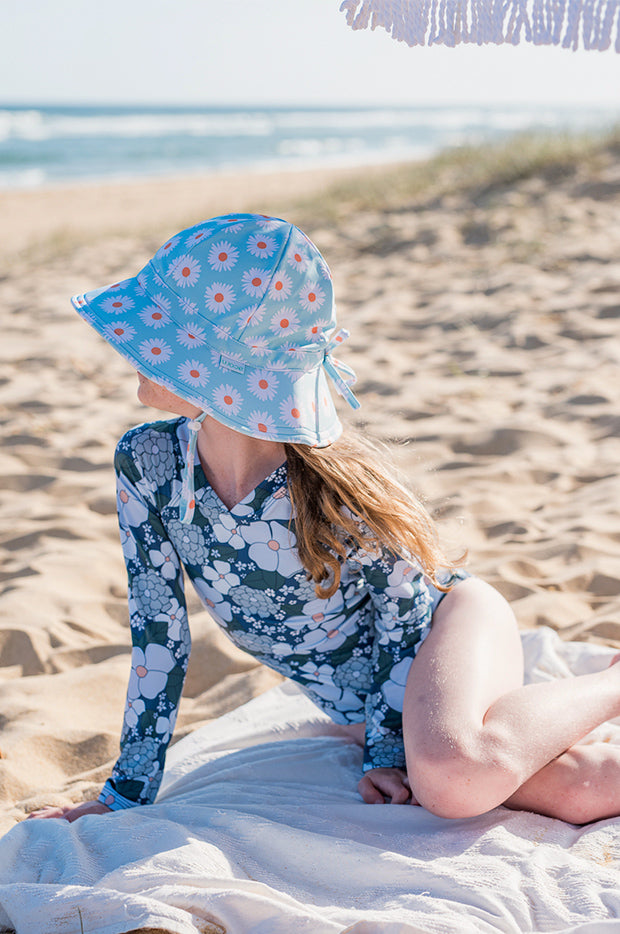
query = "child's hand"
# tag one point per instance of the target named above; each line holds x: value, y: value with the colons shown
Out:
x: 378, y: 785
x: 71, y: 812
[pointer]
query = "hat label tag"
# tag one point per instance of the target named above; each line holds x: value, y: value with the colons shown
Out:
x: 227, y: 363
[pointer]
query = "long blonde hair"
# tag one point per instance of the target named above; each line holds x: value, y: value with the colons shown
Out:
x: 332, y: 487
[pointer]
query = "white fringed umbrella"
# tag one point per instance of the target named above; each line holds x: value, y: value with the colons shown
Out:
x: 593, y: 24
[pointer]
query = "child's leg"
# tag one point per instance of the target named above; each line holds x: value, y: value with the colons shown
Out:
x: 581, y: 785
x: 473, y: 733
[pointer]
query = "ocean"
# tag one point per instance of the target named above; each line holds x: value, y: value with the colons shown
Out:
x: 52, y: 145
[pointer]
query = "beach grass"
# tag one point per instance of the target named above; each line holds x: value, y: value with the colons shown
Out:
x: 477, y: 170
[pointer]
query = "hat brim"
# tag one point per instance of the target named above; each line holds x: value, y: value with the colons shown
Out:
x: 242, y: 397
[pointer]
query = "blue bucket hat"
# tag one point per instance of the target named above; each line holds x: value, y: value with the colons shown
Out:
x: 235, y: 315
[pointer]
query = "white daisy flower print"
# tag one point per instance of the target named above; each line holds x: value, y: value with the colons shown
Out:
x: 263, y: 423
x: 227, y: 399
x: 142, y: 280
x: 265, y: 222
x: 191, y: 335
x: 294, y: 352
x: 298, y: 260
x: 185, y: 271
x: 154, y: 316
x: 222, y: 332
x: 117, y: 304
x: 222, y: 255
x: 119, y: 332
x: 162, y: 301
x: 281, y: 365
x: 262, y: 384
x: 261, y: 245
x: 280, y: 287
x: 194, y: 373
x: 155, y: 351
x: 284, y: 322
x: 219, y: 297
x: 167, y: 247
x: 311, y: 296
x: 254, y: 282
x: 315, y: 331
x: 190, y: 308
x: 249, y: 316
x: 259, y: 346
x: 234, y: 228
x: 197, y: 236
x: 290, y: 413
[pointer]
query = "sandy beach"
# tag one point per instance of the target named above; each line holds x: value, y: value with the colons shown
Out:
x: 485, y: 323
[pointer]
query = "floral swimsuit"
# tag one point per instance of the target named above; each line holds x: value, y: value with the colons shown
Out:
x: 350, y: 653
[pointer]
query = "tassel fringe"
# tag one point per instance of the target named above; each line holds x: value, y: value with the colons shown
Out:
x: 593, y: 24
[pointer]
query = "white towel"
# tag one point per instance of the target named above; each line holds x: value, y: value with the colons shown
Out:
x: 569, y: 23
x: 258, y: 829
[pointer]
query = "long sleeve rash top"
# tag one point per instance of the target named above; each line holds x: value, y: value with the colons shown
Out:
x: 350, y: 653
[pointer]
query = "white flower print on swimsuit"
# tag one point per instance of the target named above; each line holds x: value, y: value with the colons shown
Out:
x: 351, y: 653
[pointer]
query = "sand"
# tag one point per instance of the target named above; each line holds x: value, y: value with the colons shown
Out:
x: 485, y: 332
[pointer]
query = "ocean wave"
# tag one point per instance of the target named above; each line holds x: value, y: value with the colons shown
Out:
x: 40, y: 124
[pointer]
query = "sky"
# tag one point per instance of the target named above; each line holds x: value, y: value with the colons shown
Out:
x: 266, y: 52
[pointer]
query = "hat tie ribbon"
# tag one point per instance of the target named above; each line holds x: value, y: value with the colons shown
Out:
x: 188, y: 502
x: 342, y: 375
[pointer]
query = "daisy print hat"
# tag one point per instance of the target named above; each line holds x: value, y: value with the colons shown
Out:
x: 235, y: 315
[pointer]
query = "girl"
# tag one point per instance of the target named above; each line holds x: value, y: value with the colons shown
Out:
x: 308, y: 553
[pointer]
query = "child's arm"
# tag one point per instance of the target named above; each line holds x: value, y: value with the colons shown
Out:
x: 160, y: 637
